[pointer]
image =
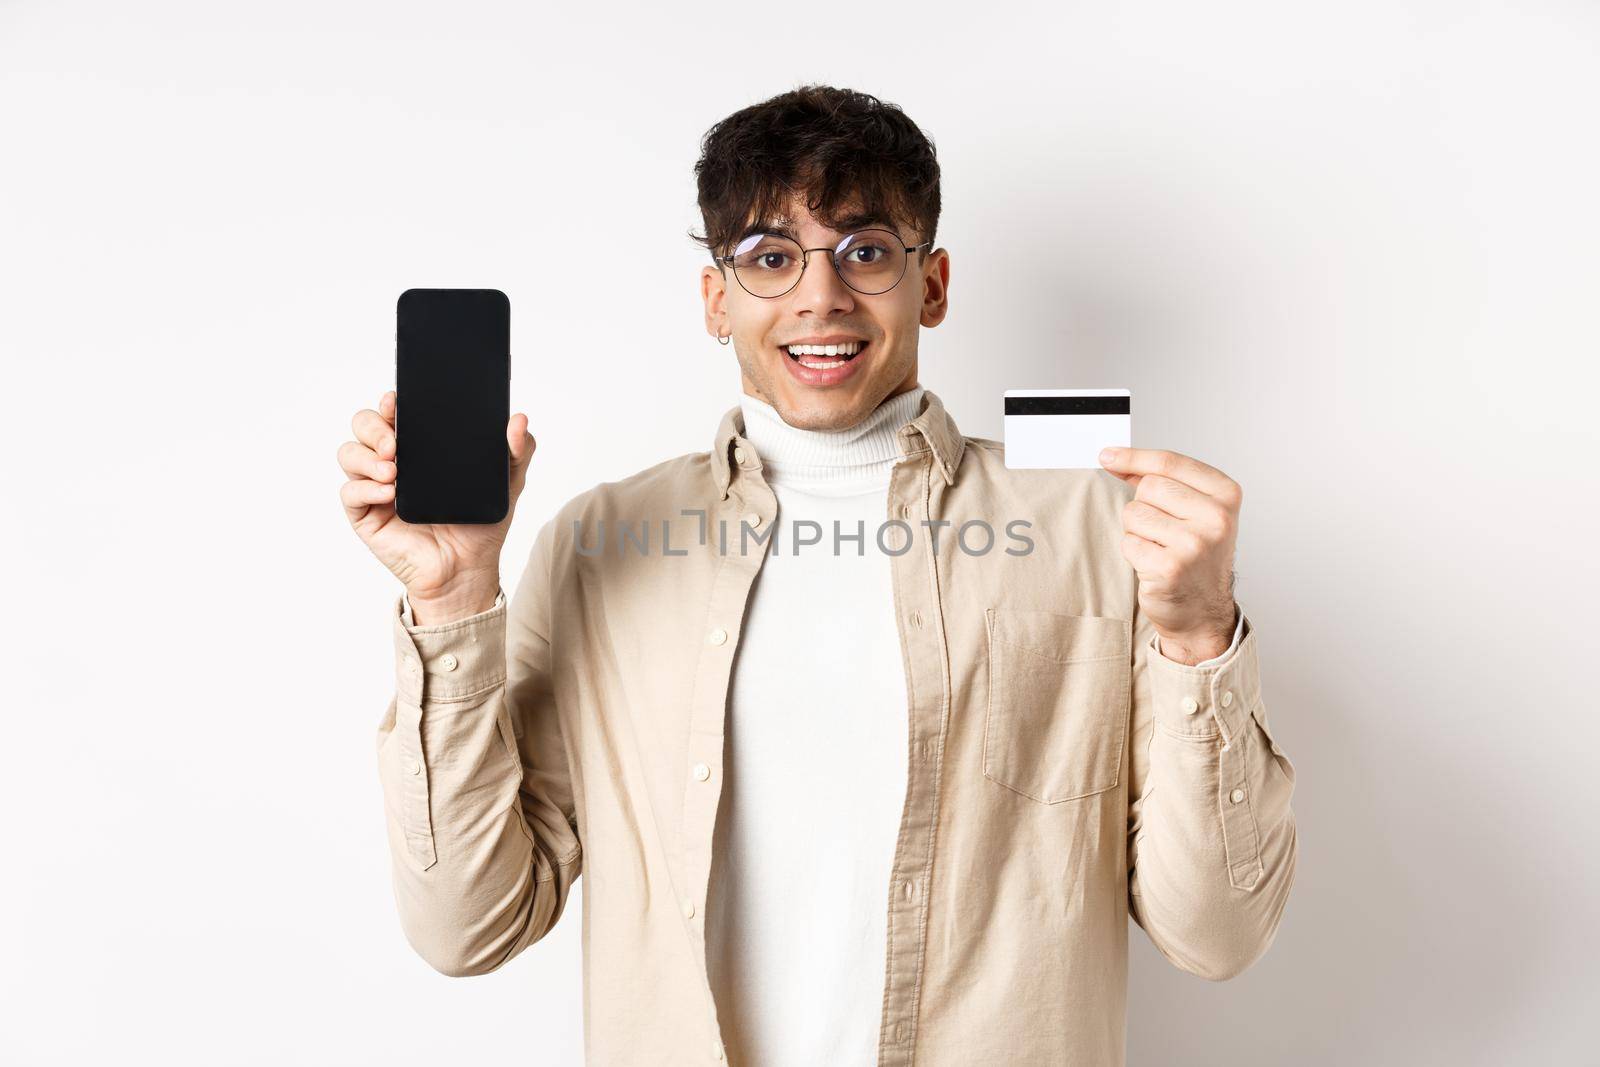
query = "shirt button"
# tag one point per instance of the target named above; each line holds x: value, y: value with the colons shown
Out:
x: 688, y: 909
x: 1237, y: 795
x: 916, y: 618
x: 1227, y: 698
x: 738, y: 454
x: 909, y: 890
x: 752, y: 518
x: 1190, y: 705
x: 717, y: 636
x: 701, y: 771
x: 905, y: 511
x: 448, y: 662
x: 413, y: 767
x: 899, y: 1031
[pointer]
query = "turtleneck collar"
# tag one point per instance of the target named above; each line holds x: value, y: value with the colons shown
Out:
x: 857, y: 459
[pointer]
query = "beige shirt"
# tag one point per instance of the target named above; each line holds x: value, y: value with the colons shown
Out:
x: 1062, y: 775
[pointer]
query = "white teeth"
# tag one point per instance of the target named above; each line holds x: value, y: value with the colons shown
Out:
x: 823, y: 366
x: 849, y: 348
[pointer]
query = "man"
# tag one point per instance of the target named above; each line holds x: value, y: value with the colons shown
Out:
x: 894, y: 801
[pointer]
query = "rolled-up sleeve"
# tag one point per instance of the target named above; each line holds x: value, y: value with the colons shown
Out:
x: 483, y: 840
x: 1212, y: 845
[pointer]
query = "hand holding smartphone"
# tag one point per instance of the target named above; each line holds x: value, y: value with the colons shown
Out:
x: 440, y: 526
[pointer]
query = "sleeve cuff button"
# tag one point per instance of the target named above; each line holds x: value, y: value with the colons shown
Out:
x: 1190, y: 705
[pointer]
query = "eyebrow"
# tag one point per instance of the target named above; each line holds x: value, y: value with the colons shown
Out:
x: 784, y: 226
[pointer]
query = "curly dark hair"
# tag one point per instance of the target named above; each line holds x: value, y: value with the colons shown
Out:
x: 837, y: 146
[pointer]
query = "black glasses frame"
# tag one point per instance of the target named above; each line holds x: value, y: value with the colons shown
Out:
x: 833, y: 257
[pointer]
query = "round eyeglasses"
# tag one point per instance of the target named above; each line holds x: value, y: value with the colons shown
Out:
x: 870, y: 261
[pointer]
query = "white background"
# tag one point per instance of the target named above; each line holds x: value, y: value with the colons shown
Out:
x: 1345, y: 252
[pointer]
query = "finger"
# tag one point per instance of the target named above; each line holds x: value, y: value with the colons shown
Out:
x: 1153, y: 524
x: 1130, y: 479
x: 359, y: 461
x: 374, y: 431
x: 1174, y: 497
x: 1146, y: 556
x: 1202, y: 476
x: 522, y: 447
x: 386, y: 407
x: 360, y: 495
x: 521, y: 441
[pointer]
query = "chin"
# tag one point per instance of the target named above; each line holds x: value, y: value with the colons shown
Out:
x: 830, y: 410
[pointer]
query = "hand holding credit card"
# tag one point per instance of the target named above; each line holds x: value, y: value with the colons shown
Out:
x: 1062, y: 428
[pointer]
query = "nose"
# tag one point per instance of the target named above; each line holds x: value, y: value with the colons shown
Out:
x: 820, y: 289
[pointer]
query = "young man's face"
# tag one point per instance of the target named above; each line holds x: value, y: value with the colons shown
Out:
x: 823, y: 306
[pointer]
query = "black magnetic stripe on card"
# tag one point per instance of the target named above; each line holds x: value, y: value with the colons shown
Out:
x: 1067, y: 405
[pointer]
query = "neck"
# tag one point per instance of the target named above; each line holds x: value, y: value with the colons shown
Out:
x: 856, y: 459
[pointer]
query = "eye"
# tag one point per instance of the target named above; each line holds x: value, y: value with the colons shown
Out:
x: 763, y: 253
x: 874, y: 253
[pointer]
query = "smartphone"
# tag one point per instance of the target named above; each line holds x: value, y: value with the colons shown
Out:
x: 452, y: 403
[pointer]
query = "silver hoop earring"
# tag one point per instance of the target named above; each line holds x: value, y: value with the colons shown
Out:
x: 724, y: 338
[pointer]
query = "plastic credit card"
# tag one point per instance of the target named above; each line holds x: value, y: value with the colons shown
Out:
x: 1046, y: 428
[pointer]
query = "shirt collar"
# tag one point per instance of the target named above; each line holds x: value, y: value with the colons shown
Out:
x: 933, y: 425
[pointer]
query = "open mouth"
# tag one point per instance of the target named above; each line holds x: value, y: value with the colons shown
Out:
x: 825, y: 357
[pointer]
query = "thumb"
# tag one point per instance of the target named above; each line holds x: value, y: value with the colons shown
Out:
x: 521, y: 442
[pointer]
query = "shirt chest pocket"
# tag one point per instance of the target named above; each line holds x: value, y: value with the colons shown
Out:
x: 1057, y: 716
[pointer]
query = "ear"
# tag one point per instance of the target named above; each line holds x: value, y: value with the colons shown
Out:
x: 714, y: 295
x: 935, y: 287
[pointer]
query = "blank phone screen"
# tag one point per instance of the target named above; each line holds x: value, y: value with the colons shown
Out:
x: 452, y: 402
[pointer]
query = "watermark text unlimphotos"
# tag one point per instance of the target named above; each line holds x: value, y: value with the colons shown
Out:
x: 893, y: 537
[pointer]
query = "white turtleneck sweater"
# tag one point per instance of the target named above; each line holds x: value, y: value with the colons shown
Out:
x: 815, y: 758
